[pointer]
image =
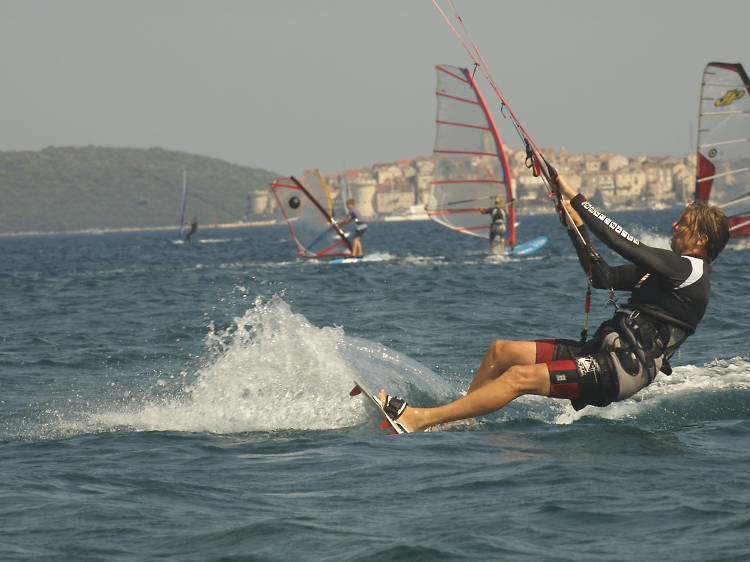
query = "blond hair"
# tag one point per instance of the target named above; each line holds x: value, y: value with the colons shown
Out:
x: 709, y: 221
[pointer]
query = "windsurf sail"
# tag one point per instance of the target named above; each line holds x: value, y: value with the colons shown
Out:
x: 315, y: 233
x: 535, y: 160
x: 316, y: 185
x: 723, y: 168
x: 471, y: 168
x: 182, y: 223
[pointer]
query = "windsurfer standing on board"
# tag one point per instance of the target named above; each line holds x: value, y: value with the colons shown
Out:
x: 497, y: 228
x: 193, y: 228
x: 360, y: 224
x: 669, y: 294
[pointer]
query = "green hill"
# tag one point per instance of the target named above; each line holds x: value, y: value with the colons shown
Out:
x: 76, y: 188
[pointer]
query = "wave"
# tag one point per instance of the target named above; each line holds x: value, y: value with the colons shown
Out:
x: 739, y: 245
x: 719, y: 390
x: 272, y: 370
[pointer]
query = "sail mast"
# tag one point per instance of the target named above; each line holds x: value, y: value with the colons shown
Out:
x: 184, y: 203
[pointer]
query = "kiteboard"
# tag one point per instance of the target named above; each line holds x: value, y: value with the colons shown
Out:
x: 388, y: 422
x: 527, y: 247
x: 338, y: 261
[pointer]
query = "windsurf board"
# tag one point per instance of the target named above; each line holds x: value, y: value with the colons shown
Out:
x: 527, y: 247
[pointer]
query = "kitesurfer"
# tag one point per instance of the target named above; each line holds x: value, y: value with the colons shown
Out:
x: 669, y: 294
x: 360, y: 227
x: 499, y: 214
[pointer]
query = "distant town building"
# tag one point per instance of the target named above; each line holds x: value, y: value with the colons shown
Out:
x: 391, y: 188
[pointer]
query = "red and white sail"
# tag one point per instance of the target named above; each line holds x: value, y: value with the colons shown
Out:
x: 471, y: 168
x: 723, y: 169
x: 315, y: 233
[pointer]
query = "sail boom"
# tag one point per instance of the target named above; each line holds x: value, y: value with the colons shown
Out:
x: 723, y: 113
x: 729, y: 173
x: 722, y: 143
x: 739, y: 226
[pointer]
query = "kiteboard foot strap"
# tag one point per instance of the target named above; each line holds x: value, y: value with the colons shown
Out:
x: 394, y: 406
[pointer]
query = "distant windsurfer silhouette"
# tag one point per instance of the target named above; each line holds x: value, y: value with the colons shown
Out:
x: 193, y: 228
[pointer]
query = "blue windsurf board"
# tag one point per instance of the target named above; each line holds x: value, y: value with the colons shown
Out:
x: 527, y: 247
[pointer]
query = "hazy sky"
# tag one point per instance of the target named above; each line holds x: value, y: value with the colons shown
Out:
x: 292, y: 84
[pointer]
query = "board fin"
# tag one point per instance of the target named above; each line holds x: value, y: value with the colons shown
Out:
x: 355, y: 391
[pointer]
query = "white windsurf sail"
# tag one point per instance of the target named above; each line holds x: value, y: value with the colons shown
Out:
x: 316, y: 185
x: 723, y: 170
x: 315, y: 233
x: 471, y: 167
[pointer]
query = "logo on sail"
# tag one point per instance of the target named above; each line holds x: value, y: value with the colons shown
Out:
x: 729, y: 97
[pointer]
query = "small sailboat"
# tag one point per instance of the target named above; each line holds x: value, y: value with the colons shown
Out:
x: 723, y: 167
x: 182, y: 224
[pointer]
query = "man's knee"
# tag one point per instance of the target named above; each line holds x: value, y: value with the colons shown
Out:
x: 506, y: 353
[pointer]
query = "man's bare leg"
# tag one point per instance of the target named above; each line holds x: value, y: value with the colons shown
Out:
x: 491, y: 396
x: 501, y: 355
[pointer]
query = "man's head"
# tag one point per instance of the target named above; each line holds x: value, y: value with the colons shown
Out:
x: 701, y: 227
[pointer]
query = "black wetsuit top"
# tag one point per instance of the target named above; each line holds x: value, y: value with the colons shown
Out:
x: 666, y: 287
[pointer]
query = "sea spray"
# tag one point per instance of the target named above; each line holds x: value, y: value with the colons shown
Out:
x: 273, y: 370
x: 718, y: 390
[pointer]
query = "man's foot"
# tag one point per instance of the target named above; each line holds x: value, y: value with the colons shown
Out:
x: 409, y: 418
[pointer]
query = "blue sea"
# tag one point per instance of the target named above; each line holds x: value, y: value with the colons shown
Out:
x: 192, y: 403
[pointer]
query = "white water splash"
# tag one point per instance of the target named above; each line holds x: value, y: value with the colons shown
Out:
x: 652, y: 238
x: 719, y: 375
x: 739, y: 246
x: 378, y: 256
x: 274, y: 370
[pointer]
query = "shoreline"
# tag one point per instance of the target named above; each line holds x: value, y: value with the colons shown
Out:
x: 238, y: 224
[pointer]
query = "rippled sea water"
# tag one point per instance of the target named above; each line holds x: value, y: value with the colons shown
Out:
x: 191, y: 402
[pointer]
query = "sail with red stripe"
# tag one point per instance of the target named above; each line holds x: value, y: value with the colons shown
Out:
x: 314, y: 232
x: 471, y: 168
x: 723, y: 170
